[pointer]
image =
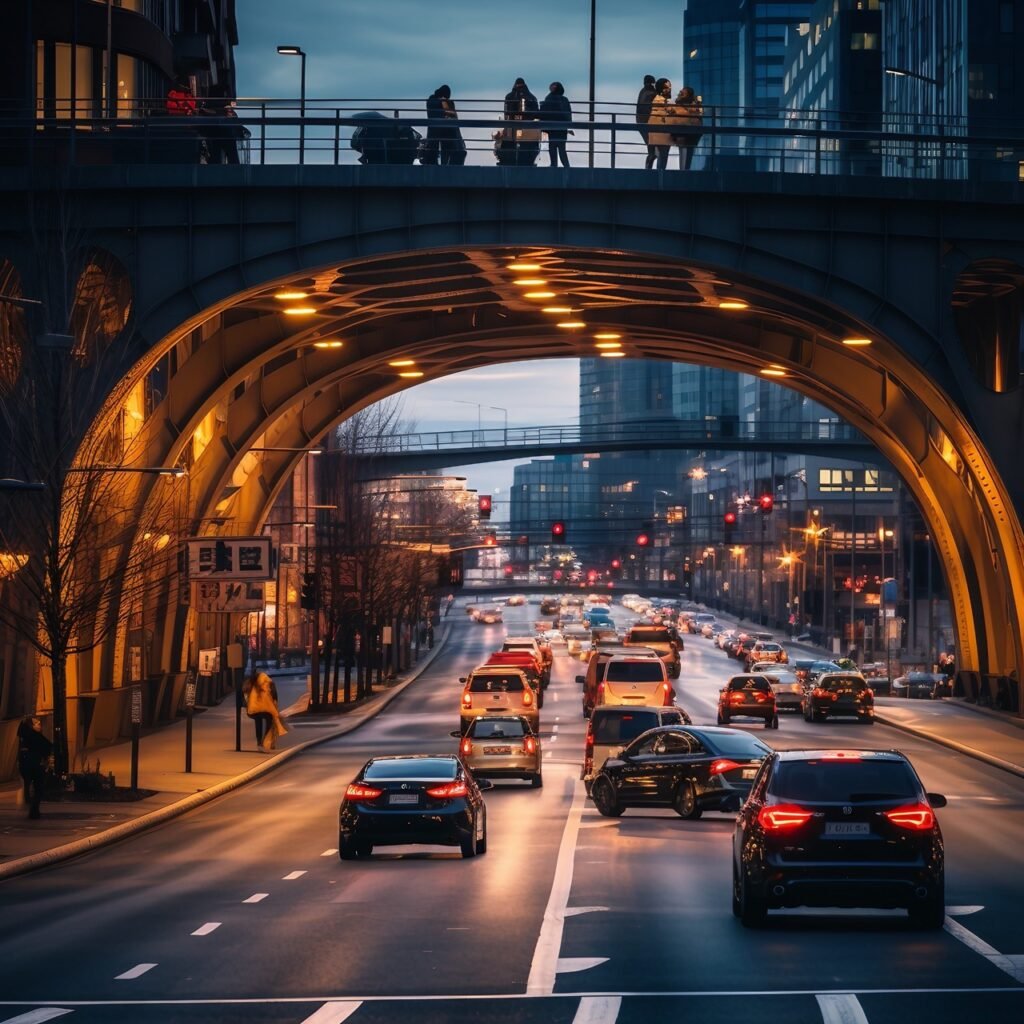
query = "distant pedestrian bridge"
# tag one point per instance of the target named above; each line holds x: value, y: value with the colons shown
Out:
x: 266, y: 302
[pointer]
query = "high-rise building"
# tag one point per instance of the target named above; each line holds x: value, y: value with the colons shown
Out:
x: 711, y: 55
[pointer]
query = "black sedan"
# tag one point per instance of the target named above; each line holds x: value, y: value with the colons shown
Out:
x: 839, y: 828
x: 925, y: 685
x: 415, y: 798
x: 839, y: 694
x: 690, y: 769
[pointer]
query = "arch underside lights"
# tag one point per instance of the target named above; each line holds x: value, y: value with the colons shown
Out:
x: 259, y: 379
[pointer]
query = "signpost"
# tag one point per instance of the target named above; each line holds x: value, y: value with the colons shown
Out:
x: 136, y: 720
x: 230, y: 558
x: 190, y: 705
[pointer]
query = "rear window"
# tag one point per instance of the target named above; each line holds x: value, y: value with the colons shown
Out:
x: 845, y: 683
x: 650, y: 636
x: 491, y: 729
x: 771, y: 648
x: 749, y: 683
x: 496, y: 684
x: 411, y: 768
x: 844, y: 781
x: 615, y: 728
x: 646, y: 671
x: 736, y: 744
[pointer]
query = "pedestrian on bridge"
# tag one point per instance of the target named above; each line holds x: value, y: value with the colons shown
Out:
x: 556, y: 107
x: 662, y: 121
x: 644, y: 104
x: 444, y: 138
x: 689, y: 115
x: 34, y: 751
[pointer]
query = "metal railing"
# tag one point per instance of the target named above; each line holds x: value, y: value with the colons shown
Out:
x: 397, y: 131
x: 653, y: 434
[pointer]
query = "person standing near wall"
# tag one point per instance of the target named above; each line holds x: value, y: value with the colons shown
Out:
x: 34, y: 751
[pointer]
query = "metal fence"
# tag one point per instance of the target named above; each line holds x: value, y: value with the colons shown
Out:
x: 397, y: 131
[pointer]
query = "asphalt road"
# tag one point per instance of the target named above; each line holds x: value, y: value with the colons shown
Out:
x: 241, y: 910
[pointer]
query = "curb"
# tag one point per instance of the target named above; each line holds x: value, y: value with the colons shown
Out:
x: 47, y: 858
x: 960, y: 748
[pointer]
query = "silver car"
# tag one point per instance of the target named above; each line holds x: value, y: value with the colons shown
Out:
x: 502, y: 748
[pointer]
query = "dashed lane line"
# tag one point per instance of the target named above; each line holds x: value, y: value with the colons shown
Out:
x: 292, y: 875
x: 136, y: 972
x: 205, y: 929
x: 841, y: 1008
x: 328, y: 853
x: 257, y: 897
x: 44, y: 1013
x: 334, y: 1012
x: 598, y: 1010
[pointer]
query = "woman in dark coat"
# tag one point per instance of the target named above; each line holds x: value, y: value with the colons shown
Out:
x: 556, y: 107
x: 443, y: 134
x: 520, y: 103
x: 33, y: 756
x: 520, y: 146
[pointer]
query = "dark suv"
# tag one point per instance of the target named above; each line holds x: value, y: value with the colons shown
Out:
x: 839, y: 828
x: 748, y: 696
x: 837, y: 694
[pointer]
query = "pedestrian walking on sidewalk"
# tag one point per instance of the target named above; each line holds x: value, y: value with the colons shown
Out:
x: 34, y: 751
x: 261, y: 706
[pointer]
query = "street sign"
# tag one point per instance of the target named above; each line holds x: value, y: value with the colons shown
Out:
x: 136, y: 705
x: 228, y: 596
x: 385, y: 635
x: 229, y: 558
x: 209, y: 661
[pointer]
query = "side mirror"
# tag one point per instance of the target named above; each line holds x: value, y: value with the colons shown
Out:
x: 462, y: 679
x: 581, y: 680
x: 484, y: 784
x: 936, y: 799
x: 456, y: 733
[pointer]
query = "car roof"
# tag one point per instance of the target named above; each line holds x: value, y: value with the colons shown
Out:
x: 840, y: 755
x: 497, y: 670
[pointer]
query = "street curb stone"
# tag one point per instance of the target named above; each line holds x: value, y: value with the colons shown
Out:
x: 58, y: 854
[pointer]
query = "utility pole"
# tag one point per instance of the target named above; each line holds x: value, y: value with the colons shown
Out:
x: 593, y: 60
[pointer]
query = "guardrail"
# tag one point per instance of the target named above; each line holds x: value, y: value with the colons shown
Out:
x: 524, y: 437
x: 397, y: 131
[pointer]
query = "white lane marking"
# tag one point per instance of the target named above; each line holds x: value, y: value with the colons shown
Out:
x: 328, y: 853
x: 257, y: 897
x: 44, y: 1013
x: 575, y: 964
x: 292, y: 875
x: 573, y: 911
x: 205, y: 929
x: 544, y: 967
x: 1011, y: 964
x: 598, y: 1010
x: 334, y: 1012
x: 554, y: 696
x: 136, y: 972
x: 554, y: 728
x: 557, y: 719
x: 841, y: 1009
x: 552, y: 738
x: 962, y: 911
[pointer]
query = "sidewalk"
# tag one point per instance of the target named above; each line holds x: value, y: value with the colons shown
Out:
x: 989, y: 736
x: 71, y: 827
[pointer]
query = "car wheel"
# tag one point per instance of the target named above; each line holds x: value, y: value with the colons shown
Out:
x: 607, y: 803
x: 481, y: 843
x: 537, y: 780
x: 685, y: 803
x: 775, y: 720
x: 347, y: 849
x: 817, y: 716
x: 753, y: 909
x: 723, y: 719
x: 364, y: 849
x: 736, y: 909
x: 867, y: 719
x: 469, y: 846
x: 931, y: 914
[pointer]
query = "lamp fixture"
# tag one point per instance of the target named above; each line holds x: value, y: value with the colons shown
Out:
x: 773, y: 371
x: 300, y: 311
x: 856, y: 342
x: 333, y: 343
x: 608, y: 344
x: 559, y: 310
x: 613, y: 355
x: 571, y: 325
x: 411, y: 374
x: 402, y: 362
x: 518, y: 268
x: 538, y: 295
x: 287, y: 295
x: 531, y: 282
x: 733, y: 304
x: 607, y: 336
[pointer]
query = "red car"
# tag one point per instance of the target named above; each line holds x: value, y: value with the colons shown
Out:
x: 749, y: 696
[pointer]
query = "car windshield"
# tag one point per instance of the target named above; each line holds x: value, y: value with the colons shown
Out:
x: 749, y: 683
x: 844, y: 683
x: 616, y: 728
x: 496, y: 684
x: 412, y: 768
x: 495, y: 729
x: 847, y: 781
x: 646, y: 671
x: 735, y: 744
x: 649, y: 636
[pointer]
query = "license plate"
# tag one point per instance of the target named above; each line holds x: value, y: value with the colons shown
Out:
x: 847, y: 828
x: 497, y: 750
x: 404, y: 798
x: 749, y: 773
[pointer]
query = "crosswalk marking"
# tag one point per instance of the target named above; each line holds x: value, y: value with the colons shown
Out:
x: 136, y: 972
x: 334, y: 1012
x: 44, y: 1013
x: 841, y: 1008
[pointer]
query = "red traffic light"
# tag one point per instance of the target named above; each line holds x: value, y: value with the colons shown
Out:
x: 616, y: 564
x: 557, y: 530
x: 766, y: 503
x: 508, y: 570
x: 643, y: 540
x: 483, y: 506
x: 730, y: 518
x: 490, y: 540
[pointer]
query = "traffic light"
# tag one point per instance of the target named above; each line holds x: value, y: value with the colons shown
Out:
x: 765, y: 503
x: 310, y: 597
x: 558, y: 532
x: 483, y: 506
x: 642, y: 540
x: 490, y: 540
x: 728, y: 524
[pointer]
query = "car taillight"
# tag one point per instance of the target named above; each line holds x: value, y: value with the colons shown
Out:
x: 723, y: 764
x: 448, y: 790
x: 357, y: 791
x: 527, y: 698
x: 466, y: 747
x: 736, y: 697
x: 819, y: 692
x: 467, y: 699
x: 917, y: 817
x: 530, y: 745
x: 600, y: 690
x: 782, y: 816
x: 667, y: 694
x: 761, y: 696
x: 590, y: 742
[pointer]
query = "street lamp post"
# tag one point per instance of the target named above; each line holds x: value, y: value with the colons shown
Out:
x: 296, y: 51
x: 593, y: 79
